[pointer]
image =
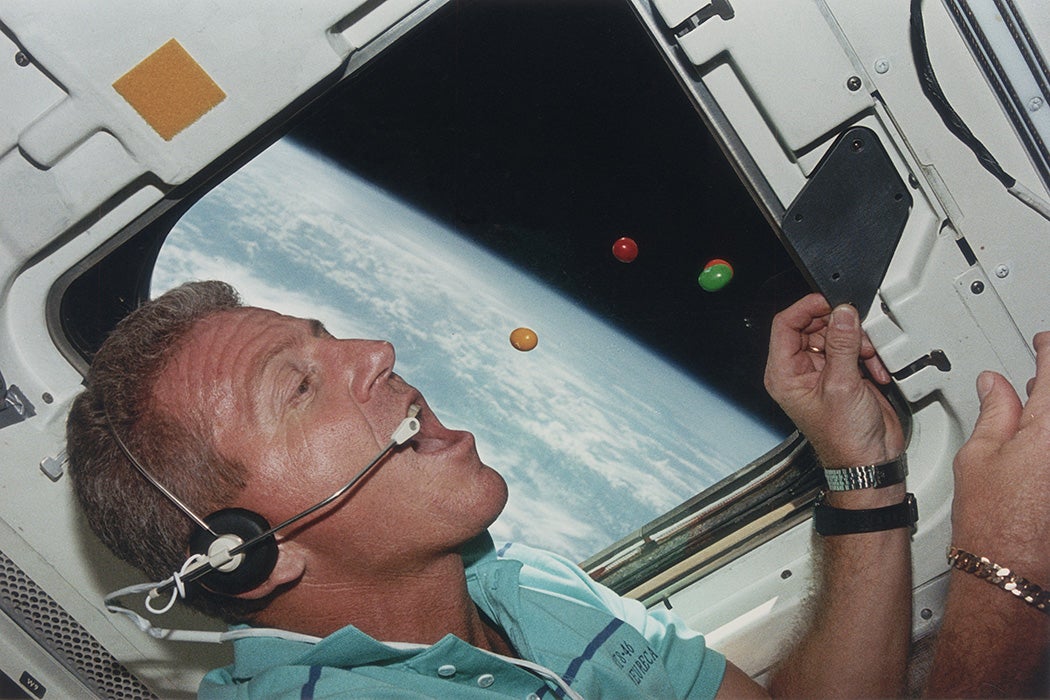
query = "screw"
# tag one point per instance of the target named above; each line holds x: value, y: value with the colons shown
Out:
x: 926, y: 613
x: 977, y: 287
x: 853, y: 83
x: 882, y: 66
x: 1035, y: 104
x: 22, y: 59
x: 1002, y: 271
x: 913, y: 181
x: 785, y: 574
x: 47, y: 397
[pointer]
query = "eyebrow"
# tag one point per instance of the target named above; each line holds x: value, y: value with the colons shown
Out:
x: 317, y: 328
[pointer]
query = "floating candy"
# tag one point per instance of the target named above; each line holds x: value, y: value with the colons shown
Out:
x: 625, y: 249
x: 716, y: 275
x: 523, y: 339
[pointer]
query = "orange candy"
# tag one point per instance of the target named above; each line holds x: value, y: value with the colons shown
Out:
x: 523, y: 339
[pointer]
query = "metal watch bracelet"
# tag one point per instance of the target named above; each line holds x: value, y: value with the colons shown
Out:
x: 982, y: 567
x: 868, y: 476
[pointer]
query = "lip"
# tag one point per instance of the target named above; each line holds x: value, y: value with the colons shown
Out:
x: 452, y: 440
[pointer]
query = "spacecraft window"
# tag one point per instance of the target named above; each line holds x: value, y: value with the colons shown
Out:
x: 474, y: 179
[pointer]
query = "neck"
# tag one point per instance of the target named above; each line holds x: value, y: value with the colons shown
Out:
x: 419, y: 607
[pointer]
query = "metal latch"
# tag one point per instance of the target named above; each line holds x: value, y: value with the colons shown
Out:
x: 14, y: 406
x: 683, y: 16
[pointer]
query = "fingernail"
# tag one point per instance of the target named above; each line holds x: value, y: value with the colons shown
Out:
x: 843, y: 317
x: 985, y: 380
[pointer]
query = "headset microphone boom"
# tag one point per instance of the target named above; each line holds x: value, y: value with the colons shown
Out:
x: 234, y: 550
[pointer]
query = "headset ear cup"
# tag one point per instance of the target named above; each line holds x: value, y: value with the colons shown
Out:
x: 259, y: 559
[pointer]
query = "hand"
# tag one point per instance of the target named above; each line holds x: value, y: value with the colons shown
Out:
x: 1001, y: 507
x: 813, y: 372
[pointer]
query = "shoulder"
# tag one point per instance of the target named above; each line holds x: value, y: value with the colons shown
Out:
x: 555, y: 574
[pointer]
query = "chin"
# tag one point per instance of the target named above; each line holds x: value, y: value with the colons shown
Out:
x: 497, y: 497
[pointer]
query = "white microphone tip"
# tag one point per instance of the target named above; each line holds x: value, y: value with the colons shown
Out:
x: 408, y: 427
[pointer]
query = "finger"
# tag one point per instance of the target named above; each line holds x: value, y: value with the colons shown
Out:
x: 792, y: 326
x: 1000, y: 409
x: 814, y: 342
x: 842, y: 346
x: 802, y: 313
x: 877, y: 370
x: 872, y: 362
x: 867, y: 349
x: 1039, y: 386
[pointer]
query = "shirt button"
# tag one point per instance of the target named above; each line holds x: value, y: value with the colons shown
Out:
x: 446, y: 670
x: 486, y: 679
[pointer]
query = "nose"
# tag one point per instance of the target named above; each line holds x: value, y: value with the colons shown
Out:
x: 370, y: 362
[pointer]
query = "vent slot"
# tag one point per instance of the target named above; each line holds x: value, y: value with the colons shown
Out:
x: 63, y: 637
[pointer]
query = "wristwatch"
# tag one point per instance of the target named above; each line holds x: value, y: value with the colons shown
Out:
x: 868, y: 476
x: 830, y: 521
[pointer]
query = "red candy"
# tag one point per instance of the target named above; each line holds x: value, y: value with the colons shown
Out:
x: 625, y: 249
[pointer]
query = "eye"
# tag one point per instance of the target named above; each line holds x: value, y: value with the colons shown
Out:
x: 304, y: 389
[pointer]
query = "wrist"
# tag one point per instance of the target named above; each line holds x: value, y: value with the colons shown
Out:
x: 1011, y: 550
x: 866, y: 498
x: 1010, y: 581
x: 837, y: 457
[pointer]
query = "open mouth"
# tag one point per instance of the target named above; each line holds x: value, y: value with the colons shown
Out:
x: 433, y: 437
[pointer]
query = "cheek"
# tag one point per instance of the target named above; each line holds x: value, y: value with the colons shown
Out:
x: 299, y: 469
x: 335, y: 447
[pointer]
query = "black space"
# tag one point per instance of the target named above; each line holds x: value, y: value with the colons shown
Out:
x: 547, y: 130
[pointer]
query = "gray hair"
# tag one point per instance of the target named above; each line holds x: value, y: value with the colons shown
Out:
x: 128, y: 514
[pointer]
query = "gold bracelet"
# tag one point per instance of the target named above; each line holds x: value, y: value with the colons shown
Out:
x: 982, y: 567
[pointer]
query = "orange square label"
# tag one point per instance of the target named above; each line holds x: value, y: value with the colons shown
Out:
x: 169, y: 89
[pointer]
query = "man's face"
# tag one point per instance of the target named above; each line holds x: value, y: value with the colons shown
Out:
x: 304, y: 412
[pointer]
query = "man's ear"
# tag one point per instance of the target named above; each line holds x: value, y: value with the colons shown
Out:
x: 289, y: 567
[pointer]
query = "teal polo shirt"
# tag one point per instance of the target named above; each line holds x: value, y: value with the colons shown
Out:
x: 602, y: 645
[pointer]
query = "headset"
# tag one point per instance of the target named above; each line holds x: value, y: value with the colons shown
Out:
x: 234, y: 550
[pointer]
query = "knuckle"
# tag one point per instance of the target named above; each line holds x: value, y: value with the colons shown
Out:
x: 1038, y: 433
x: 772, y: 385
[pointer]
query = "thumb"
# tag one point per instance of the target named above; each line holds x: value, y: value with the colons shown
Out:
x: 1000, y: 409
x: 842, y: 344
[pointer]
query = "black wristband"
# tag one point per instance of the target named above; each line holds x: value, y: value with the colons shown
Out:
x: 830, y: 521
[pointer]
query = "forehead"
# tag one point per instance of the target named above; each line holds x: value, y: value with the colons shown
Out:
x: 220, y: 357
